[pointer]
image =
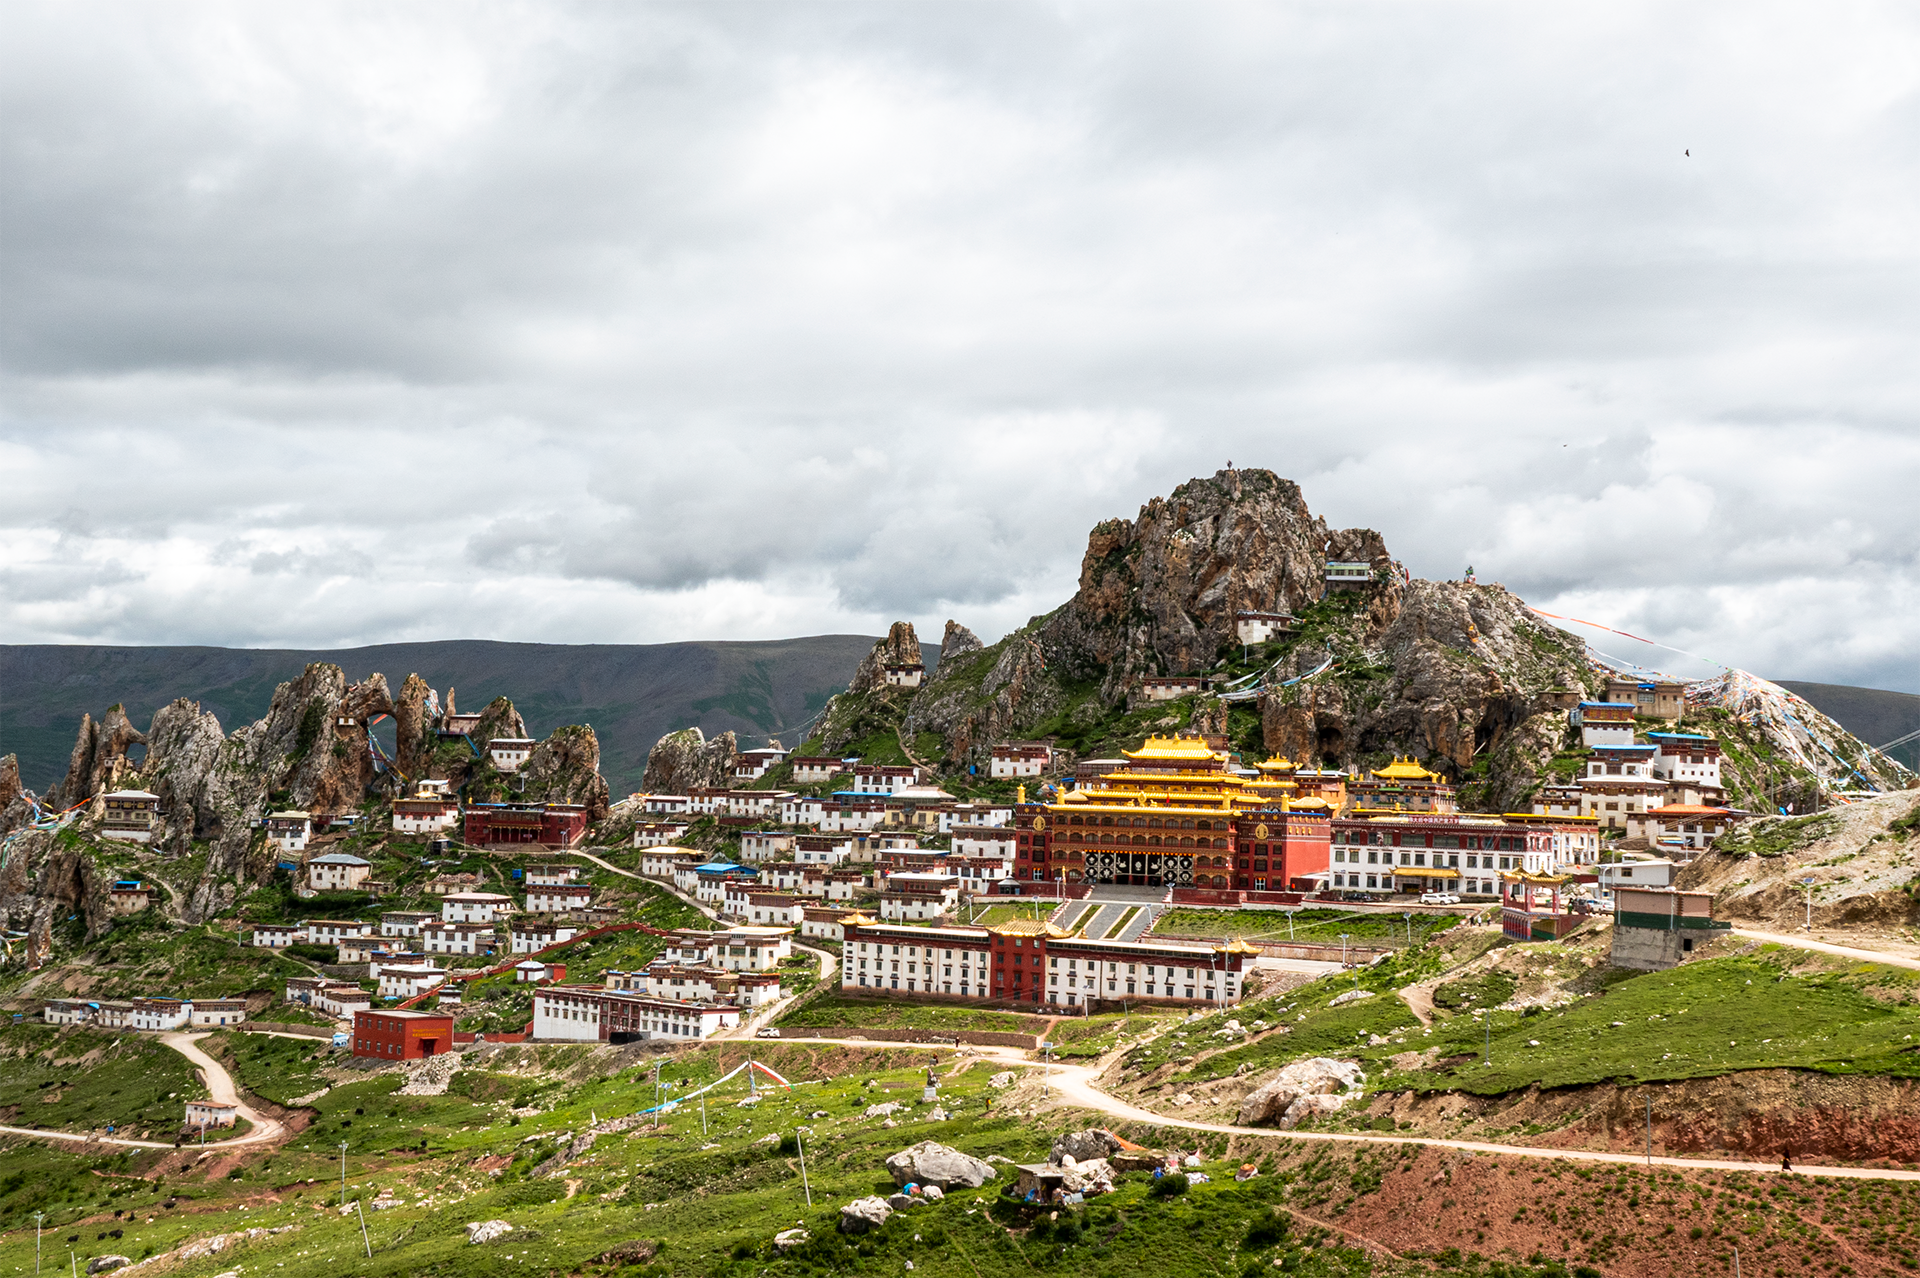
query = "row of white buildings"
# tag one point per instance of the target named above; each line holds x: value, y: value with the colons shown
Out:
x: 152, y: 1014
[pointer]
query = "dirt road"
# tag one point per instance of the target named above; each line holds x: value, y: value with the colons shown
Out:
x: 1076, y: 1085
x: 1838, y: 951
x: 219, y: 1086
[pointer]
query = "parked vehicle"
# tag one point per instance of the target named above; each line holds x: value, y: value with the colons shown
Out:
x: 1439, y: 898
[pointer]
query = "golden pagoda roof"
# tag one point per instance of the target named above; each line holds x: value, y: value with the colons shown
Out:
x: 1173, y: 750
x: 1537, y: 880
x: 1239, y: 946
x: 857, y: 918
x: 1309, y: 804
x: 1276, y: 763
x: 1029, y: 927
x: 1405, y: 770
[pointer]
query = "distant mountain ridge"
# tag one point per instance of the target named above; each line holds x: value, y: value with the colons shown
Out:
x: 1875, y: 715
x: 631, y: 694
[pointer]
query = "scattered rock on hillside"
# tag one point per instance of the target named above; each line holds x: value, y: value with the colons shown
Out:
x: 931, y: 1163
x: 884, y: 1108
x: 635, y: 1251
x: 863, y: 1214
x: 1093, y: 1142
x: 485, y: 1231
x: 1318, y: 1084
x: 787, y: 1239
x: 107, y: 1264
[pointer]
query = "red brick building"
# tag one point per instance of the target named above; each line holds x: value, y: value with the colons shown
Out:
x: 401, y: 1036
x: 556, y: 825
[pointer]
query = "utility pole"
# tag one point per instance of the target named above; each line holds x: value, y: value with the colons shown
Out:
x: 1808, y: 882
x: 801, y: 1146
x: 1486, y: 1058
x: 343, y: 1173
x: 39, y: 1218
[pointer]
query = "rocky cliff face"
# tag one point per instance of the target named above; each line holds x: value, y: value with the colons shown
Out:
x: 415, y: 718
x: 683, y: 760
x: 1158, y: 593
x: 565, y: 768
x: 901, y: 647
x: 1463, y: 677
x: 99, y: 760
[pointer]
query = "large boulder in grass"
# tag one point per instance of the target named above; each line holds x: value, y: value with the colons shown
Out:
x: 1094, y: 1142
x: 107, y: 1264
x: 863, y: 1214
x: 1332, y: 1083
x: 931, y: 1163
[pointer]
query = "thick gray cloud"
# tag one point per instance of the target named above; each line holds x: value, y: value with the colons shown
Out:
x: 335, y: 324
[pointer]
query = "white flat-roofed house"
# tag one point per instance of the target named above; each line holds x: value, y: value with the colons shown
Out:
x: 976, y: 841
x: 1603, y: 723
x: 782, y: 876
x: 1342, y: 574
x: 457, y: 938
x: 129, y: 896
x: 814, y: 769
x: 747, y: 948
x: 1619, y: 783
x: 733, y: 896
x: 904, y: 675
x: 1634, y: 871
x: 559, y: 898
x: 288, y: 831
x: 710, y: 881
x: 570, y: 1013
x: 774, y: 909
x: 883, y: 778
x: 156, y: 1014
x: 130, y: 815
x: 333, y: 931
x: 543, y: 875
x: 510, y: 754
x: 710, y: 801
x: 533, y: 971
x: 341, y: 999
x: 750, y: 765
x: 212, y: 1013
x: 275, y: 936
x: 404, y: 922
x: 972, y: 816
x: 474, y: 907
x: 360, y: 949
x: 1019, y: 759
x: 208, y: 1113
x: 822, y: 849
x: 1169, y: 687
x: 845, y: 885
x: 660, y: 863
x: 406, y: 980
x: 764, y: 845
x: 666, y: 804
x: 649, y: 834
x: 1650, y: 698
x: 915, y: 897
x: 1690, y: 765
x: 67, y: 1011
x: 852, y: 814
x: 1557, y: 800
x: 337, y: 872
x: 426, y: 811
x: 1257, y: 627
x: 823, y: 922
x: 980, y: 873
x: 803, y: 809
x: 530, y: 937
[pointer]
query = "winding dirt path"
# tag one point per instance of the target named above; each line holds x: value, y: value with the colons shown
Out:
x: 1076, y: 1085
x: 1823, y: 947
x: 219, y: 1084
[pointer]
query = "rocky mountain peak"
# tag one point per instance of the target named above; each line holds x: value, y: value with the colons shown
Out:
x: 683, y: 760
x: 99, y: 759
x: 901, y: 647
x: 1158, y: 593
x: 958, y: 640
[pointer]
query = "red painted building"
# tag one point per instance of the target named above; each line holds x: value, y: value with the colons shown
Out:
x: 401, y: 1036
x: 556, y: 825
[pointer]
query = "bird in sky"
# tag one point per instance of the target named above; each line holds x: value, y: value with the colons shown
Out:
x: 1689, y: 152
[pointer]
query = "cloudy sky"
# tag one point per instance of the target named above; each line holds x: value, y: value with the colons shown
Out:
x: 335, y: 324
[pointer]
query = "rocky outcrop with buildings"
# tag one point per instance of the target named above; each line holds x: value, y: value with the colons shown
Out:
x: 565, y: 768
x: 684, y: 760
